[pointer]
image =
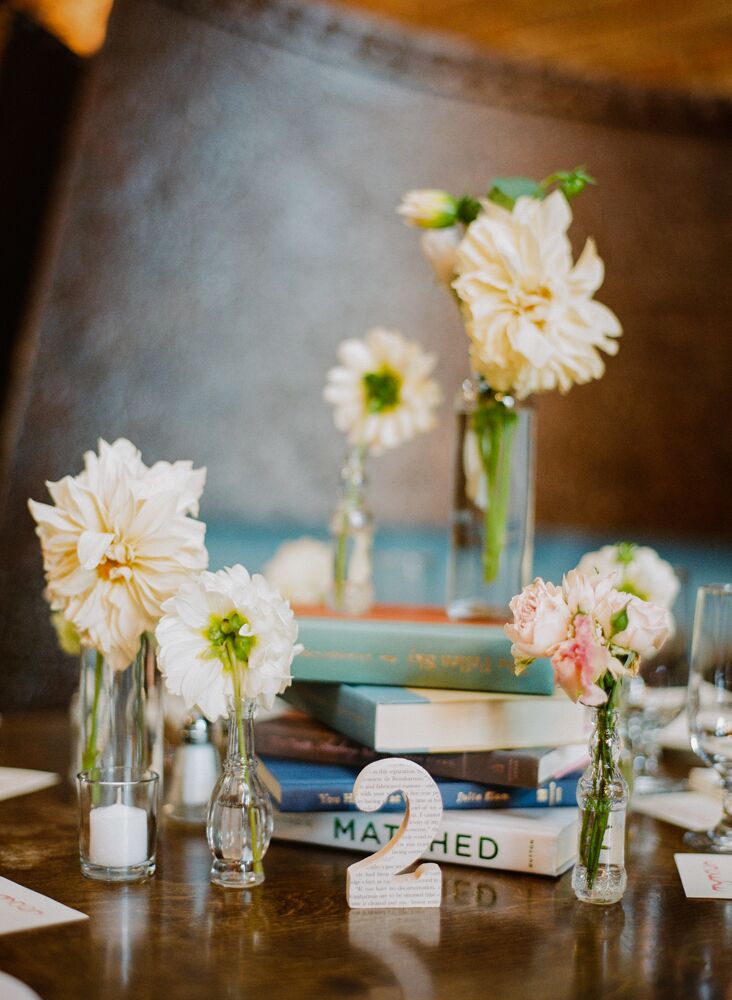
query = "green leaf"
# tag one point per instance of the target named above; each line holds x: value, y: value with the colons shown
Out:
x: 467, y: 209
x: 619, y: 622
x: 569, y: 182
x: 505, y: 191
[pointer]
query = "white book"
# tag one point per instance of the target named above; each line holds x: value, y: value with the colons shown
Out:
x: 538, y: 841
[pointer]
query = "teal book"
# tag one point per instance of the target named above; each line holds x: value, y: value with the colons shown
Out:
x: 413, y: 648
x: 426, y: 720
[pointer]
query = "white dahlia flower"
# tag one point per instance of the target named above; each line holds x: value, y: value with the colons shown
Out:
x: 381, y: 392
x: 116, y: 544
x: 529, y: 311
x: 162, y: 477
x: 226, y: 635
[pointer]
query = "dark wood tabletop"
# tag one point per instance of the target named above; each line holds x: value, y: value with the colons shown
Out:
x: 496, y: 935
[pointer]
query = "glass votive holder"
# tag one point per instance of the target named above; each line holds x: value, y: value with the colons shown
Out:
x: 118, y: 823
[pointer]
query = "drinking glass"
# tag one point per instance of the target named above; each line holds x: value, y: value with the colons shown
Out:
x: 655, y: 697
x: 710, y: 703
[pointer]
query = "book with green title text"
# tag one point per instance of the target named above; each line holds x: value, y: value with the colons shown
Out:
x: 541, y: 842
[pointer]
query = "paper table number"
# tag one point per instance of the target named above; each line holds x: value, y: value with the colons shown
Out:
x: 380, y: 880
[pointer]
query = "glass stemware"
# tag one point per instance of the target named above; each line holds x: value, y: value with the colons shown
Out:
x: 710, y: 703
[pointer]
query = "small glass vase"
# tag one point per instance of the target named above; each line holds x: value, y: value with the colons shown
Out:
x: 352, y: 530
x: 602, y: 795
x: 239, y: 824
x: 492, y: 522
x: 120, y: 714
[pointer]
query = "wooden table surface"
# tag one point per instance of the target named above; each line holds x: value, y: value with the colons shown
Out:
x: 496, y: 935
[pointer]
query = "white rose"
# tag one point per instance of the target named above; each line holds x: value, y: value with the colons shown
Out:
x: 653, y: 577
x: 583, y: 593
x: 608, y: 607
x: 440, y: 247
x: 647, y: 629
x: 541, y: 621
x: 428, y: 208
x: 301, y: 570
x: 638, y: 569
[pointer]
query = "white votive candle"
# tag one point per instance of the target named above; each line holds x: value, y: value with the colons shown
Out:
x: 117, y: 836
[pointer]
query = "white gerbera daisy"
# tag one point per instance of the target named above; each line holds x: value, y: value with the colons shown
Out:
x: 116, y: 545
x: 381, y: 392
x: 226, y: 635
x: 529, y: 311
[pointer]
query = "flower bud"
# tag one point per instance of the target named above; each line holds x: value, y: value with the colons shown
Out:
x: 429, y: 208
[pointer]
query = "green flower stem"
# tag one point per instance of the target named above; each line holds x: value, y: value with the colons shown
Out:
x: 236, y: 677
x: 597, y: 808
x: 494, y: 425
x: 350, y: 500
x: 339, y: 570
x: 89, y: 756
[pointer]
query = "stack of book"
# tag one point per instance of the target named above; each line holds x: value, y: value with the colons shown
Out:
x: 505, y: 751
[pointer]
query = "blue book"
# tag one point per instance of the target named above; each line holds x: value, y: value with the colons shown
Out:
x: 301, y: 786
x: 426, y: 720
x: 413, y: 648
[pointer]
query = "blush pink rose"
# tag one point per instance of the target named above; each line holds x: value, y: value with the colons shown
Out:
x: 540, y: 621
x: 647, y: 629
x: 580, y: 662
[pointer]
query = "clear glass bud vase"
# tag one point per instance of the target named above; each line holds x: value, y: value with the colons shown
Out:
x: 239, y: 824
x: 492, y: 520
x: 352, y: 529
x: 602, y: 795
x: 120, y: 714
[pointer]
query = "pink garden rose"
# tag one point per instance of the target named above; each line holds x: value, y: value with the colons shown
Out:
x: 647, y: 629
x: 540, y: 622
x: 580, y: 662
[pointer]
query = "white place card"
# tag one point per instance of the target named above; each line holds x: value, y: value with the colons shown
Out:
x: 19, y: 781
x: 12, y: 989
x: 705, y: 876
x: 22, y: 909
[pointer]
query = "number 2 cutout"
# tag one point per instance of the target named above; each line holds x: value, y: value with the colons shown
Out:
x: 380, y: 879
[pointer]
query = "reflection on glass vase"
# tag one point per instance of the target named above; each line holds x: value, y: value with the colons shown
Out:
x: 239, y: 825
x: 352, y: 530
x: 492, y: 520
x: 120, y: 714
x: 602, y: 795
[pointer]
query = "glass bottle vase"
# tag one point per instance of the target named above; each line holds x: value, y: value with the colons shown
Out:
x: 239, y: 823
x: 120, y: 714
x: 602, y: 795
x: 352, y: 531
x: 492, y: 521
